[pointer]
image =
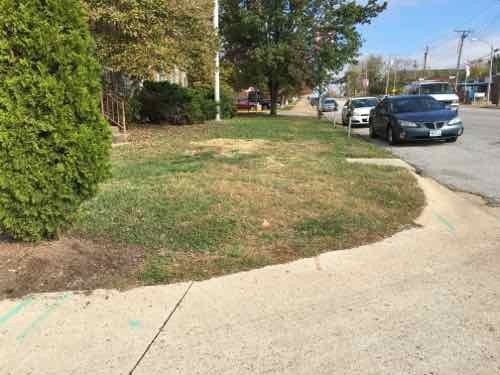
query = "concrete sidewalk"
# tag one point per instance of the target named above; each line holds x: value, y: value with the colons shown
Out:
x: 425, y: 301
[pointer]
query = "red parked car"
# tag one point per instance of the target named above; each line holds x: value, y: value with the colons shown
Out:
x: 245, y: 104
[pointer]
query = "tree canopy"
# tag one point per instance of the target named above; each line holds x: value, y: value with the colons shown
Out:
x: 372, y: 67
x: 291, y: 42
x: 138, y: 37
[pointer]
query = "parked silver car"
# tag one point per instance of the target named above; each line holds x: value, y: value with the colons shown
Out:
x: 358, y: 109
x: 328, y: 105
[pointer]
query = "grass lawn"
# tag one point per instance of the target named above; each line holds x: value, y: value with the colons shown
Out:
x: 213, y: 199
x: 198, y: 201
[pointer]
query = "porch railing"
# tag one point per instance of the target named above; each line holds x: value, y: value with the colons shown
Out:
x: 113, y: 109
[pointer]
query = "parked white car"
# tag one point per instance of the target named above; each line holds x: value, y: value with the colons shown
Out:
x: 358, y: 109
x: 328, y: 105
x: 442, y: 91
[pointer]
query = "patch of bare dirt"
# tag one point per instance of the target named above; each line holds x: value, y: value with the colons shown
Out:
x: 225, y: 146
x: 67, y: 264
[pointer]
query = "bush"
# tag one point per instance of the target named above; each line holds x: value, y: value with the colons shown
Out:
x: 228, y: 108
x: 54, y: 143
x: 164, y: 101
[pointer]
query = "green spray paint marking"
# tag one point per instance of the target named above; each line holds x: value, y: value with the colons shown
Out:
x: 134, y: 324
x: 15, y: 310
x: 43, y: 316
x: 450, y: 226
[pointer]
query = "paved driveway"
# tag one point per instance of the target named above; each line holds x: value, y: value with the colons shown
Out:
x: 472, y: 164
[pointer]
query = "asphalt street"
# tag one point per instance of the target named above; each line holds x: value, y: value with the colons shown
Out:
x: 472, y: 164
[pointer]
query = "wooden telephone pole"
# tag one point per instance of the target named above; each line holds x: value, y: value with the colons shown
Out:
x: 463, y: 35
x: 426, y: 55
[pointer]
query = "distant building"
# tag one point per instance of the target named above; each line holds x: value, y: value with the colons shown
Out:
x: 468, y: 90
x: 176, y: 76
x: 120, y: 84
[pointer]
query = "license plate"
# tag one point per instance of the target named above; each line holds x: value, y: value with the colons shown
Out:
x: 435, y: 133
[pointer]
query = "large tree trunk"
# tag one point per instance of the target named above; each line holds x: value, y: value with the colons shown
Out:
x: 274, y: 90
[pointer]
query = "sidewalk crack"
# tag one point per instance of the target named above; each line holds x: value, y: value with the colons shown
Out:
x: 160, y: 330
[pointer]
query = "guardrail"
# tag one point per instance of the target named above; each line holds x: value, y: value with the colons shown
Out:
x: 113, y: 109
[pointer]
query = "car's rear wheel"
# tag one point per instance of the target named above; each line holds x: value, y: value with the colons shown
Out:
x: 371, y: 131
x: 391, y: 136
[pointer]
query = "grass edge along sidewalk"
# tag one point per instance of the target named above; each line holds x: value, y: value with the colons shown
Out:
x: 190, y: 203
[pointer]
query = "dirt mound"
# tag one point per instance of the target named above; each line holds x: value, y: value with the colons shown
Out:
x: 228, y: 146
x: 68, y: 264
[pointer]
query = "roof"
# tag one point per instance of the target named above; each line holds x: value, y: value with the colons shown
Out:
x: 429, y: 82
x: 409, y: 96
x: 472, y: 84
x: 364, y: 97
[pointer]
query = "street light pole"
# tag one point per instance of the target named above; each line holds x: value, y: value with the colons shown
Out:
x: 388, y: 77
x: 492, y: 55
x: 490, y: 82
x: 217, y: 63
x: 395, y: 79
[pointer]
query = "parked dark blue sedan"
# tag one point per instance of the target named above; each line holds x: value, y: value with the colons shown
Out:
x: 414, y: 118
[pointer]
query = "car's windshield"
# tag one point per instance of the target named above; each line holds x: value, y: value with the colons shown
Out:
x: 415, y: 104
x: 360, y: 103
x: 435, y: 88
x: 329, y: 101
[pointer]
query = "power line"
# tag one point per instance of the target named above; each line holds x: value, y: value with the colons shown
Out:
x: 486, y: 25
x: 471, y: 24
x: 437, y: 42
x: 479, y: 59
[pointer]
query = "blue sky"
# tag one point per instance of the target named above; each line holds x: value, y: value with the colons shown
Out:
x: 407, y: 26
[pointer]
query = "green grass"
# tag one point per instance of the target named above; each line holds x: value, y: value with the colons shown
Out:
x: 157, y: 216
x: 337, y: 225
x: 198, y: 198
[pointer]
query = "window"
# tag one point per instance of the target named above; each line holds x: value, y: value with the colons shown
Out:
x: 381, y: 107
x: 416, y: 104
x: 436, y: 88
x: 360, y: 103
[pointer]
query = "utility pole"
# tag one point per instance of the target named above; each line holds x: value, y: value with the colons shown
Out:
x: 426, y: 54
x: 317, y: 49
x: 490, y: 82
x: 463, y: 35
x: 217, y: 63
x: 388, y: 76
x: 367, y: 82
x: 492, y: 57
x: 395, y: 78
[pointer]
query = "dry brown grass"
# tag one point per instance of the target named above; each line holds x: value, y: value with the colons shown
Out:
x: 195, y: 202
